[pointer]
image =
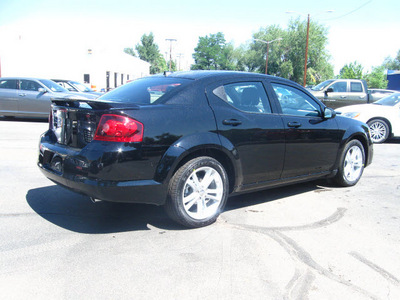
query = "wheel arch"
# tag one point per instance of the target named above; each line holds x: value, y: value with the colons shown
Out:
x: 217, y: 154
x: 367, y: 145
x: 204, y: 144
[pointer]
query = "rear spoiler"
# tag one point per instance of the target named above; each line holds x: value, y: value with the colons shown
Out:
x: 83, y: 103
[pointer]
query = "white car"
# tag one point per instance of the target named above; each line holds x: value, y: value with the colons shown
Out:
x: 382, y: 117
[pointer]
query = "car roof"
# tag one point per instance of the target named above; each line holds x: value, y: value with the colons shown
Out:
x: 22, y: 78
x: 200, y: 74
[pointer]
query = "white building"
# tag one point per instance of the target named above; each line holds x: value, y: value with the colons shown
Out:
x: 101, y: 68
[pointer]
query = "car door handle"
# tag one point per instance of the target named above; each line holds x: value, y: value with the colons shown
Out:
x: 343, y: 97
x: 232, y: 122
x: 22, y: 95
x: 294, y: 124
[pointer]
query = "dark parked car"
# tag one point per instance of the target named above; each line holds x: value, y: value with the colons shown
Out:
x: 205, y: 136
x: 31, y: 97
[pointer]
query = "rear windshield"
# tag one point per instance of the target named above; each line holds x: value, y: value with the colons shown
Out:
x: 148, y: 90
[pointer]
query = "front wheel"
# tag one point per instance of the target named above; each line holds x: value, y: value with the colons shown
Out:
x: 197, y: 192
x: 351, y: 164
x: 379, y: 130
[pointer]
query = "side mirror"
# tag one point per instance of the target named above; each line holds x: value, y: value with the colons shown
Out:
x: 329, y: 113
x: 42, y: 90
x: 329, y: 90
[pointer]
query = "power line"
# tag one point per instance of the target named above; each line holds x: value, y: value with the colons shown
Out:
x: 351, y: 12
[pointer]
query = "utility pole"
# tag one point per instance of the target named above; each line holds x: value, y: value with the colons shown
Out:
x: 170, y: 52
x: 308, y: 31
x: 179, y: 56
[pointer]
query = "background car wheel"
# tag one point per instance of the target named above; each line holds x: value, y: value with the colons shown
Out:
x: 351, y: 164
x: 379, y: 130
x: 197, y: 192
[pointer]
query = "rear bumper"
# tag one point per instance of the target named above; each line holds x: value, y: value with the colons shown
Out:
x: 140, y: 191
x: 104, y: 171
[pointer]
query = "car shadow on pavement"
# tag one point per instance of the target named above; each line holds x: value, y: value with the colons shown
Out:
x: 268, y: 195
x: 77, y: 213
x: 393, y: 141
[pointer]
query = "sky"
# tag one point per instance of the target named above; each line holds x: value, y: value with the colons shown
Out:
x: 365, y: 31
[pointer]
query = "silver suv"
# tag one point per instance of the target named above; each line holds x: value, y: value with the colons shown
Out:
x: 30, y: 97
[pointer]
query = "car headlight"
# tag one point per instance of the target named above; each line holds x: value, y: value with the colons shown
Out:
x: 351, y: 115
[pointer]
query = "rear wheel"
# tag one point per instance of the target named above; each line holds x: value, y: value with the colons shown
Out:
x: 379, y: 130
x: 351, y: 164
x: 197, y: 192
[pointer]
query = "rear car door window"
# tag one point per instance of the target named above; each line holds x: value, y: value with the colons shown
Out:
x: 245, y: 96
x: 356, y: 87
x: 8, y: 84
x: 295, y: 102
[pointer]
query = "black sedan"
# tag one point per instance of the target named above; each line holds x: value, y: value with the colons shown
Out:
x: 188, y: 140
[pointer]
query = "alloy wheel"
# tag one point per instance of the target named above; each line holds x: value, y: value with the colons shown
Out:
x: 353, y: 163
x: 202, y: 193
x: 378, y: 131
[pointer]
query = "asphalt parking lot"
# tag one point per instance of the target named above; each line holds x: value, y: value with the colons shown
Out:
x: 307, y: 241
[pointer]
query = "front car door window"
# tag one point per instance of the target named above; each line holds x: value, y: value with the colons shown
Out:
x: 295, y: 102
x: 339, y: 87
x: 29, y: 85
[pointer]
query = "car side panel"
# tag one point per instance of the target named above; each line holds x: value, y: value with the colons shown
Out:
x: 182, y: 148
x: 8, y: 102
x: 32, y: 103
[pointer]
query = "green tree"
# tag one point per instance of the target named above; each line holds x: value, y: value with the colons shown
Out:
x: 353, y: 70
x: 392, y: 63
x: 276, y: 50
x: 246, y: 59
x: 130, y: 51
x: 213, y: 53
x: 149, y: 51
x: 286, y: 57
x: 377, y: 78
x: 318, y: 58
x: 173, y: 66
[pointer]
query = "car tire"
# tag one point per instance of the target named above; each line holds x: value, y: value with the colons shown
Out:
x: 192, y: 202
x: 352, y: 164
x: 379, y: 130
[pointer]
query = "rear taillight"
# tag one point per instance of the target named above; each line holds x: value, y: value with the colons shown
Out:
x: 115, y: 128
